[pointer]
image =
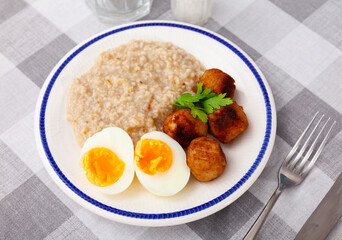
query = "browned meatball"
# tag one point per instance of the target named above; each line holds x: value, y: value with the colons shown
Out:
x: 218, y: 82
x: 205, y: 159
x: 183, y: 127
x: 227, y: 122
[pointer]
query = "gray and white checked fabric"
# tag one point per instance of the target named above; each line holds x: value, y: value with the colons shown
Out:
x: 296, y: 43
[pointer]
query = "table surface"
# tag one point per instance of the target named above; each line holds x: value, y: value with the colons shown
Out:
x: 298, y: 47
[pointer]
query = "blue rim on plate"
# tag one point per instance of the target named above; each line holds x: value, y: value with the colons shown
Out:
x: 198, y: 208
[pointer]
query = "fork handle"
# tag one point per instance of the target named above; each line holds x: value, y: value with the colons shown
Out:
x: 263, y: 215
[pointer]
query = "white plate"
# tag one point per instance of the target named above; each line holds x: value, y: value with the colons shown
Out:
x: 246, y: 155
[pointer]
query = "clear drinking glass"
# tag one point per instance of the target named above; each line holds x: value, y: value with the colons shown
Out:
x: 120, y: 10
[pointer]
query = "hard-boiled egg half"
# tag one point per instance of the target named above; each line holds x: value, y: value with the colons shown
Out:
x: 107, y: 158
x: 160, y: 164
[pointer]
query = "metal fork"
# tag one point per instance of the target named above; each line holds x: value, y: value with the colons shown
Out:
x: 294, y: 168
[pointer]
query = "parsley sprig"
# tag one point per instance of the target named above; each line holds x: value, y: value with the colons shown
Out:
x: 203, y: 103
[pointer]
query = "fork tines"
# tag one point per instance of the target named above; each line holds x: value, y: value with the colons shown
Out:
x: 308, y: 147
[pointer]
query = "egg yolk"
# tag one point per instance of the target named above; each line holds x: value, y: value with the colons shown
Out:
x: 152, y: 156
x: 102, y: 166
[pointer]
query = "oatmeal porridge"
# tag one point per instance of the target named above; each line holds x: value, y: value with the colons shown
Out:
x: 131, y: 87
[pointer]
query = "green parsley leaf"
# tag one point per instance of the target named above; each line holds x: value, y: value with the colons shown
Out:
x: 199, y: 88
x: 203, y: 94
x: 197, y: 112
x: 203, y: 103
x: 216, y: 102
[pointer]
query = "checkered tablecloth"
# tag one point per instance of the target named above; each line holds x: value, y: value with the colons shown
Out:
x: 296, y: 43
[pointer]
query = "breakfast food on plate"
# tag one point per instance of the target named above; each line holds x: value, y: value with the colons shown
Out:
x: 160, y: 164
x: 183, y: 127
x: 107, y: 159
x: 205, y: 159
x: 219, y: 82
x: 227, y: 122
x: 124, y: 100
x: 131, y: 87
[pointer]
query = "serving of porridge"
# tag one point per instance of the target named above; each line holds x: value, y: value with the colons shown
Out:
x: 131, y: 87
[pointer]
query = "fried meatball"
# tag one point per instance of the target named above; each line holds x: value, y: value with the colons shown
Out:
x: 183, y: 127
x: 205, y: 159
x: 219, y: 82
x: 227, y: 122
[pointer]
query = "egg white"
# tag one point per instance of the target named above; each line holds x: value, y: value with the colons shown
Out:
x: 173, y: 180
x: 118, y: 141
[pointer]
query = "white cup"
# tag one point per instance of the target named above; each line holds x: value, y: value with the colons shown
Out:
x: 192, y: 11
